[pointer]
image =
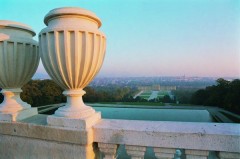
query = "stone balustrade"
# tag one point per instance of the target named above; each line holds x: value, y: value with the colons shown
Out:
x: 34, y: 138
x: 196, y: 140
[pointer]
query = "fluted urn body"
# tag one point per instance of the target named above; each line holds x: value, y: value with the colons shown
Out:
x: 72, y: 50
x: 19, y: 59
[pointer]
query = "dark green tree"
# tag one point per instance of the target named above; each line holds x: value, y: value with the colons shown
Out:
x: 199, y: 97
x: 42, y: 92
x: 224, y: 94
x: 1, y: 97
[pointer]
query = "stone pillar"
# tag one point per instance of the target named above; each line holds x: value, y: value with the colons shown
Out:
x: 196, y: 154
x: 19, y: 59
x: 109, y: 150
x: 72, y: 50
x: 136, y: 152
x: 228, y: 155
x: 164, y: 153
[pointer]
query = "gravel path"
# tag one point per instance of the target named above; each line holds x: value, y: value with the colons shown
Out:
x: 137, y: 94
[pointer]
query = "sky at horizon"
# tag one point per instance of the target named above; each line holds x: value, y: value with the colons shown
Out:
x: 153, y: 38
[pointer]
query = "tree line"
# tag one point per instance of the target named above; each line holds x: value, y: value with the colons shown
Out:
x: 41, y: 92
x: 225, y: 94
x: 46, y: 92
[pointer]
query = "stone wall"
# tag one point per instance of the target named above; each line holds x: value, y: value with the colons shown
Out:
x: 32, y: 138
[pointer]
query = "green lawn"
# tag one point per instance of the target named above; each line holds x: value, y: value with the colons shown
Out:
x: 160, y: 96
x: 142, y: 96
x: 145, y: 94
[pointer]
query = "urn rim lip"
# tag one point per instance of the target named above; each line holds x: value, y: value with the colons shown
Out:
x: 71, y: 11
x: 18, y: 25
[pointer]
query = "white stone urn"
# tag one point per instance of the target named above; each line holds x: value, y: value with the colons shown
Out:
x: 72, y: 51
x: 19, y: 59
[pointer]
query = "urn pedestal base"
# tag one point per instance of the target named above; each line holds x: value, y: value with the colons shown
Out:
x: 80, y: 123
x: 75, y: 114
x: 19, y: 115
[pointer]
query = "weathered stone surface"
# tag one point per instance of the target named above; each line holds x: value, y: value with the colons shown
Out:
x: 82, y: 124
x: 229, y: 155
x: 203, y: 136
x: 164, y: 150
x: 12, y: 147
x: 114, y: 132
x: 196, y: 157
x: 43, y: 132
x: 196, y: 154
x: 164, y: 153
x: 136, y: 152
x: 164, y: 156
x: 108, y: 150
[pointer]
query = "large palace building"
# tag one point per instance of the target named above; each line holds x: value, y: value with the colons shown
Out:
x: 157, y: 88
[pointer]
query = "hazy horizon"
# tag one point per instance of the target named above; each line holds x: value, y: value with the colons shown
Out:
x: 154, y: 38
x: 46, y: 76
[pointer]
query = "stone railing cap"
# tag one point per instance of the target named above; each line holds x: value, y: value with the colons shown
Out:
x: 71, y: 11
x: 8, y: 23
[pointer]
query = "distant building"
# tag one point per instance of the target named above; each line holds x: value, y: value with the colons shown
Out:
x: 168, y: 88
x: 157, y: 88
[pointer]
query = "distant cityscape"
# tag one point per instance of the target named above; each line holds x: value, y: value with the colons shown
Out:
x: 175, y: 81
x: 187, y: 82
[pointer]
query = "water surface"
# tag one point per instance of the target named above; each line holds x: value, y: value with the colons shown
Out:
x: 151, y: 114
